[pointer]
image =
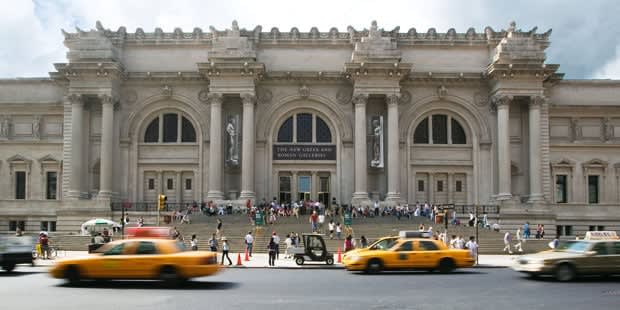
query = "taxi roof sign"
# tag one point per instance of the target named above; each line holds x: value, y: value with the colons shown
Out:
x: 414, y: 234
x: 601, y: 235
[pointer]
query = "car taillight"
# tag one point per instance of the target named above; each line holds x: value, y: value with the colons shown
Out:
x: 211, y: 260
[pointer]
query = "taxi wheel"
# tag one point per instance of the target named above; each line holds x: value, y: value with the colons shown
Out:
x: 8, y: 267
x: 329, y: 261
x: 299, y: 261
x: 169, y: 276
x: 374, y: 266
x: 446, y: 265
x: 72, y: 275
x: 565, y: 272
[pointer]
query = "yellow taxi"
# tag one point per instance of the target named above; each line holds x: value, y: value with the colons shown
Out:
x: 143, y: 258
x: 407, y: 252
x: 597, y: 254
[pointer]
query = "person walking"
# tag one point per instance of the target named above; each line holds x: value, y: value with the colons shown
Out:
x: 289, y: 246
x: 472, y: 246
x: 276, y: 239
x: 249, y: 241
x: 331, y: 227
x: 526, y: 230
x: 272, y: 252
x: 519, y: 244
x: 225, y: 249
x: 508, y: 242
x: 348, y: 243
x: 363, y: 242
x: 194, y: 243
x: 218, y: 230
x: 213, y: 243
x: 338, y: 230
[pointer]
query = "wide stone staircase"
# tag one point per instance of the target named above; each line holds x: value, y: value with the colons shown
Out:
x: 235, y: 227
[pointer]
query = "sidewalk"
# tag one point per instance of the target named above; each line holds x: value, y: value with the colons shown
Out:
x: 260, y: 260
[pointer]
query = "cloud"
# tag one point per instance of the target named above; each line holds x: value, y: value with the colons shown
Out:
x: 611, y: 70
x: 584, y: 40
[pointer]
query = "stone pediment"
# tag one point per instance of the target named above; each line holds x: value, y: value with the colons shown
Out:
x: 563, y: 162
x: 376, y: 48
x: 18, y: 159
x: 231, y: 45
x: 595, y: 163
x: 49, y: 159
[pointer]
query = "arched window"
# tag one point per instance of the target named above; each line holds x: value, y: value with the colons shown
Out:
x: 304, y: 128
x: 170, y: 131
x: 444, y: 130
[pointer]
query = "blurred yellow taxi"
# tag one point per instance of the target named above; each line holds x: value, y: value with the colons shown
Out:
x: 147, y: 258
x: 407, y: 253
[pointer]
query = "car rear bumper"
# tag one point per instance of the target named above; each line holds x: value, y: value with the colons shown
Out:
x: 195, y: 271
x: 16, y: 258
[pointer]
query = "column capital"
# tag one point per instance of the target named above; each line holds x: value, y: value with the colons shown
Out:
x: 360, y: 99
x: 74, y: 98
x: 215, y: 98
x: 393, y: 99
x: 537, y: 101
x: 501, y: 100
x: 248, y: 98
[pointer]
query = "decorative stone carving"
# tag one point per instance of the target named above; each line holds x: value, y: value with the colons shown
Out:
x: 232, y: 131
x: 481, y: 98
x: 5, y: 127
x: 393, y: 99
x: 36, y: 127
x: 360, y: 99
x: 129, y: 96
x: 140, y: 34
x: 215, y: 98
x: 264, y: 95
x: 537, y: 100
x: 344, y: 95
x: 442, y: 92
x: 376, y: 123
x: 166, y: 90
x: 248, y: 98
x: 230, y: 44
x: 304, y: 91
x: 203, y: 95
x: 608, y: 129
x: 574, y: 129
x: 405, y: 97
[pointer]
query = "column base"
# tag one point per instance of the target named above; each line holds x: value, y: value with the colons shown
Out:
x: 104, y: 195
x: 534, y: 198
x: 73, y: 195
x: 245, y: 195
x: 392, y: 197
x: 360, y: 198
x: 215, y: 195
x: 503, y: 196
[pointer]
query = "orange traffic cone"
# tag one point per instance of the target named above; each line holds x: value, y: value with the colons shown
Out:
x: 247, y: 257
x: 339, y: 255
x: 239, y: 260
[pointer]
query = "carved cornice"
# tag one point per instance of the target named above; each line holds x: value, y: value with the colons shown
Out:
x: 244, y: 69
x: 314, y: 37
x: 88, y: 70
x: 500, y: 101
x: 537, y: 101
x: 393, y: 71
x: 74, y: 99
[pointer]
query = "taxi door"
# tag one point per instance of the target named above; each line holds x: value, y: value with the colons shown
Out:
x: 615, y: 266
x: 401, y: 256
x: 142, y: 260
x: 599, y: 262
x: 112, y: 263
x: 427, y: 254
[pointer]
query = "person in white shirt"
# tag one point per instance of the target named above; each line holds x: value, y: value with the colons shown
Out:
x: 321, y: 222
x: 519, y: 245
x: 289, y: 246
x: 249, y: 241
x: 460, y: 243
x: 276, y: 240
x: 507, y: 242
x: 331, y: 227
x: 453, y: 241
x: 472, y: 246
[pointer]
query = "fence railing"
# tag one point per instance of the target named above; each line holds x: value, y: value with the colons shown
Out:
x: 150, y: 206
x: 464, y: 209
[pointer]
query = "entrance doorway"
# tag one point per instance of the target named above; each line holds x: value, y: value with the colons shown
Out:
x: 304, y: 187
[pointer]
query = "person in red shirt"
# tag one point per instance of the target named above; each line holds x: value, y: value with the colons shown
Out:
x: 44, y: 242
x: 314, y: 218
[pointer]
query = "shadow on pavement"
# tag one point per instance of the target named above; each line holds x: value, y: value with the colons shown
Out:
x: 582, y: 279
x: 16, y: 273
x: 148, y: 285
x: 421, y: 273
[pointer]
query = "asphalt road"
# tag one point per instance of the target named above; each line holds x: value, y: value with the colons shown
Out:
x: 250, y: 289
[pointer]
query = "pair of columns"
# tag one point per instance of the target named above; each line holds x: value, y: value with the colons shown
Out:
x: 503, y: 147
x: 77, y: 150
x: 216, y: 161
x: 393, y: 161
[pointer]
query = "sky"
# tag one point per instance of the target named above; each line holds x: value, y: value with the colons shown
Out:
x: 585, y: 39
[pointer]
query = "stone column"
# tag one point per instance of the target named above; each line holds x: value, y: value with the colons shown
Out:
x: 179, y: 186
x: 431, y: 188
x: 314, y: 186
x: 361, y: 173
x: 77, y: 115
x: 294, y: 196
x: 535, y: 156
x: 450, y: 187
x: 215, y: 149
x: 502, y: 104
x: 393, y: 164
x: 248, y: 148
x: 107, y: 147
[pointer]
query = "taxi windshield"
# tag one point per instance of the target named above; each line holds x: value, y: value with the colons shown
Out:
x: 383, y: 244
x: 573, y: 246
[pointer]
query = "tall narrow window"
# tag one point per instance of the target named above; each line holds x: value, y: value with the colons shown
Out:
x: 440, y: 129
x: 440, y: 186
x: 170, y: 184
x: 420, y: 185
x: 51, y: 181
x: 170, y: 127
x: 458, y: 134
x: 188, y: 184
x: 560, y: 189
x: 151, y: 184
x: 593, y: 189
x: 152, y: 132
x: 285, y: 134
x: 188, y: 134
x: 323, y: 190
x: 285, y: 189
x: 323, y: 134
x: 20, y: 185
x: 421, y: 132
x: 304, y: 127
x: 459, y: 186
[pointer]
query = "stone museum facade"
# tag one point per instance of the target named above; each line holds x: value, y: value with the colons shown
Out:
x: 356, y: 115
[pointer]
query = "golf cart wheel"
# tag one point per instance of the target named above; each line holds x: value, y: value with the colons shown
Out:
x: 329, y: 261
x: 299, y: 261
x: 374, y: 266
x: 565, y: 272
